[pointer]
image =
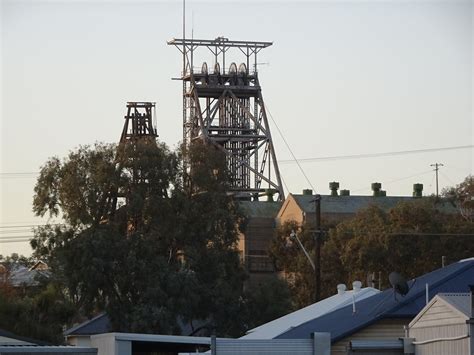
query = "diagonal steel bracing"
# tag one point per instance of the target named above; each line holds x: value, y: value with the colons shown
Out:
x: 225, y: 107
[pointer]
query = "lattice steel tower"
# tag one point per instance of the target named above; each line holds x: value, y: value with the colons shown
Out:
x: 224, y: 106
x: 139, y: 122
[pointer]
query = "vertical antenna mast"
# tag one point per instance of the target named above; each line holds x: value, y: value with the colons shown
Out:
x: 184, y: 36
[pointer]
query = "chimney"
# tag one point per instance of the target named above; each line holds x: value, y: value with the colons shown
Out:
x: 307, y: 192
x: 341, y: 289
x: 334, y: 186
x: 345, y: 193
x: 376, y: 188
x: 417, y: 190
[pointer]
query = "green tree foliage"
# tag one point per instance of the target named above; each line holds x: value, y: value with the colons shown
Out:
x: 78, y: 186
x: 39, y: 315
x: 267, y: 301
x: 290, y: 259
x: 411, y: 239
x: 167, y: 254
x: 462, y: 196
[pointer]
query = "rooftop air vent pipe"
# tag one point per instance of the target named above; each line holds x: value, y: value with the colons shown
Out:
x: 269, y: 193
x: 377, y: 189
x: 356, y: 286
x: 341, y: 289
x: 334, y: 186
x: 417, y: 190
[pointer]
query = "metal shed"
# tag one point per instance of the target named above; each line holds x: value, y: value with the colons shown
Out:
x: 442, y: 326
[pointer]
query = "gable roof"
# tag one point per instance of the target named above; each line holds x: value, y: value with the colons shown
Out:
x: 101, y: 324
x: 343, y: 322
x: 97, y: 325
x: 460, y: 301
x: 352, y: 204
x: 8, y: 338
x: 276, y: 327
x: 21, y: 275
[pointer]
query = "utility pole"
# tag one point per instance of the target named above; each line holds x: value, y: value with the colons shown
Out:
x: 317, y: 247
x: 437, y: 166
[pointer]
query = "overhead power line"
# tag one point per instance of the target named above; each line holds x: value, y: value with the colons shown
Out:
x: 15, y: 241
x: 376, y: 155
x: 289, y: 149
x: 31, y: 174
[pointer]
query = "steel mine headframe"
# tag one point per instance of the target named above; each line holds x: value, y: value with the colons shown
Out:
x: 138, y: 129
x: 139, y: 122
x: 224, y: 106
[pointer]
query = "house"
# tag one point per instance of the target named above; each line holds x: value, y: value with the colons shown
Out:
x: 9, y: 339
x: 339, y: 207
x: 23, y: 276
x: 384, y: 315
x: 343, y: 298
x: 263, y: 218
x: 80, y: 334
x: 445, y: 325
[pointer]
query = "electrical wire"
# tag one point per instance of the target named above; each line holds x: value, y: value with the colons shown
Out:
x: 377, y: 155
x: 396, y: 180
x: 14, y: 241
x: 289, y: 149
x: 10, y: 175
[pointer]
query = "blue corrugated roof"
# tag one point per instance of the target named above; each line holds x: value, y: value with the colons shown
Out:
x: 343, y: 322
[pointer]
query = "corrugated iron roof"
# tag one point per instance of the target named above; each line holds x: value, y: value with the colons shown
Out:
x: 276, y: 327
x: 353, y: 204
x: 97, y: 325
x: 4, y: 349
x: 343, y: 322
x: 18, y: 340
x: 22, y: 275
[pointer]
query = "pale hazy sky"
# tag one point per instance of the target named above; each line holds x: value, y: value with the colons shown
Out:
x: 343, y: 78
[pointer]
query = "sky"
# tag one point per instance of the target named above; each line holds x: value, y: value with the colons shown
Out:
x: 342, y: 78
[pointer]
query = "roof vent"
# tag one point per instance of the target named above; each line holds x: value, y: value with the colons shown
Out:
x: 307, y: 192
x: 376, y: 188
x: 341, y: 289
x: 345, y: 193
x: 417, y: 190
x: 334, y: 186
x: 356, y: 286
x: 269, y: 193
